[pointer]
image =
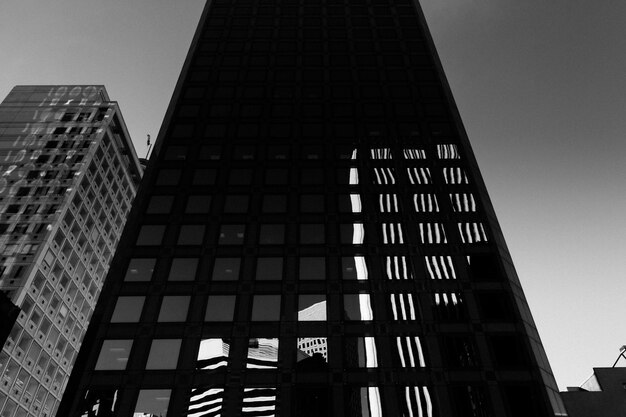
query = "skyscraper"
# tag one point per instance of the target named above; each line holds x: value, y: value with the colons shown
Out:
x: 312, y: 237
x: 68, y: 175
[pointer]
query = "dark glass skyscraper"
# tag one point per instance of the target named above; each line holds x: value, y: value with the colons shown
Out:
x: 312, y: 237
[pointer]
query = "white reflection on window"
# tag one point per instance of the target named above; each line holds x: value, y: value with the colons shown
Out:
x: 472, y: 232
x: 205, y: 402
x: 403, y: 307
x: 419, y: 176
x: 382, y: 153
x: 384, y: 176
x: 410, y: 351
x: 396, y: 267
x: 213, y: 354
x: 259, y: 402
x: 448, y: 151
x: 415, y: 398
x: 414, y: 153
x: 262, y: 353
x: 440, y: 267
x: 309, y: 346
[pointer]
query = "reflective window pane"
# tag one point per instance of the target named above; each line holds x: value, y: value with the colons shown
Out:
x: 269, y: 269
x: 140, y: 269
x: 354, y: 267
x: 311, y: 307
x: 183, y: 269
x: 312, y: 203
x: 191, y: 234
x: 150, y: 235
x: 262, y: 353
x: 365, y: 401
x: 213, y: 354
x: 272, y: 234
x: 174, y: 308
x: 153, y: 402
x: 226, y: 269
x: 232, y: 234
x: 114, y: 355
x: 168, y: 177
x: 163, y: 354
x: 160, y: 204
x: 274, y: 204
x: 198, y: 204
x: 312, y: 234
x: 204, y: 177
x: 127, y: 309
x: 312, y: 353
x: 313, y: 268
x: 360, y: 352
x: 266, y: 308
x: 220, y: 308
x: 357, y: 307
x: 236, y: 204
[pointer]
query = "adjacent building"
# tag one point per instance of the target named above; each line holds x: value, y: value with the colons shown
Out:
x: 312, y: 237
x: 68, y: 175
x: 602, y: 394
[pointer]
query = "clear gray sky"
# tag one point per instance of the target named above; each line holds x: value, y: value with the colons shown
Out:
x: 541, y: 87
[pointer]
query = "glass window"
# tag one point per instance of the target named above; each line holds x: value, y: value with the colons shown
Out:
x: 349, y: 203
x: 244, y: 152
x: 198, y: 204
x: 220, y: 308
x: 176, y: 153
x: 114, y: 355
x: 262, y: 353
x: 236, y: 204
x: 347, y: 176
x: 278, y: 152
x: 312, y: 152
x: 352, y: 233
x: 313, y: 268
x: 210, y: 152
x: 153, y: 402
x: 163, y: 354
x: 240, y: 177
x: 274, y: 204
x: 127, y: 309
x: 232, y: 234
x: 312, y: 203
x: 183, y: 269
x: 312, y: 234
x: 226, y: 269
x: 140, y: 269
x: 311, y: 176
x: 204, y: 177
x: 150, y: 235
x: 360, y: 352
x: 266, y: 308
x: 277, y: 176
x: 168, y: 177
x: 174, y: 308
x: 357, y: 307
x: 269, y: 269
x: 354, y: 267
x: 191, y: 234
x: 213, y: 354
x: 272, y: 234
x: 311, y: 307
x: 160, y: 204
x: 312, y: 354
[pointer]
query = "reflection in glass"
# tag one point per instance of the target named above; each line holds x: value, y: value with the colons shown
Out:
x: 360, y: 352
x: 311, y: 346
x: 354, y: 267
x: 140, y: 269
x: 213, y: 354
x: 403, y: 307
x: 232, y: 234
x: 312, y: 268
x: 191, y: 234
x: 266, y: 308
x: 101, y: 401
x: 183, y: 269
x: 205, y: 402
x: 259, y: 402
x: 357, y: 307
x: 449, y: 306
x: 269, y: 269
x: 152, y: 402
x: 363, y: 402
x: 262, y: 353
x: 150, y: 235
x: 163, y: 354
x: 114, y: 355
x: 311, y: 307
x: 416, y: 402
x: 397, y: 268
x: 409, y: 349
x: 226, y: 269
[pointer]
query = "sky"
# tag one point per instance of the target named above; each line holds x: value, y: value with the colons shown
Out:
x: 541, y: 88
